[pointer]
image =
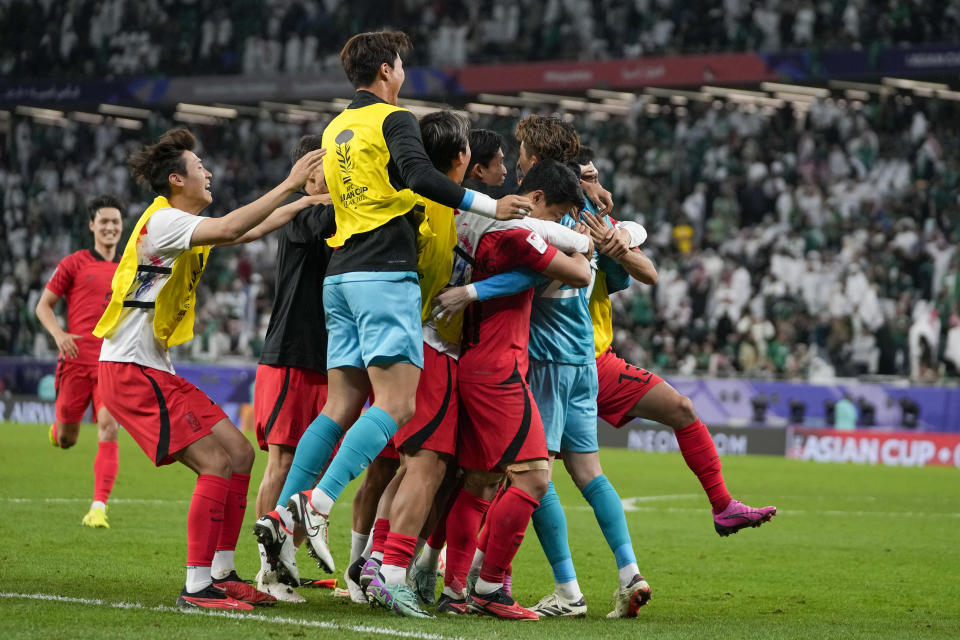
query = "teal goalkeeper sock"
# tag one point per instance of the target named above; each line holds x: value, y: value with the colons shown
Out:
x: 364, y: 442
x: 608, y: 510
x: 550, y: 523
x: 312, y: 453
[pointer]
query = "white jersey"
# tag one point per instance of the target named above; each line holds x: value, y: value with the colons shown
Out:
x: 162, y: 240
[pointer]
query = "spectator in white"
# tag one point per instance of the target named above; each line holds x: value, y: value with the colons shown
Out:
x: 924, y: 336
x: 951, y: 353
x: 803, y: 23
x: 810, y: 204
x: 942, y: 253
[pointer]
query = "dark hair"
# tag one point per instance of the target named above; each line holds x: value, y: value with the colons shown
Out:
x: 549, y: 138
x: 586, y: 155
x: 363, y: 54
x: 444, y: 136
x: 105, y: 201
x: 558, y: 183
x: 305, y: 145
x: 483, y: 147
x: 153, y: 164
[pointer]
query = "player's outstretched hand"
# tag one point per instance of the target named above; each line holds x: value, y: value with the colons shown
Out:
x: 66, y: 345
x: 304, y: 167
x: 450, y: 301
x: 513, y: 207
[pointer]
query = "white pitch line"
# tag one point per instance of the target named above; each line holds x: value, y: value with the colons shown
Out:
x: 318, y: 624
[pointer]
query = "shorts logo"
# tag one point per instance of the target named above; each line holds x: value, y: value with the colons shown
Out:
x: 537, y: 242
x: 192, y: 421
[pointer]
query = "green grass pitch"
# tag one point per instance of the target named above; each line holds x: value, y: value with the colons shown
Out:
x: 855, y: 552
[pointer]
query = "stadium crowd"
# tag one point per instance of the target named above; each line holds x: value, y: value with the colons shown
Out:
x: 789, y: 245
x: 186, y: 37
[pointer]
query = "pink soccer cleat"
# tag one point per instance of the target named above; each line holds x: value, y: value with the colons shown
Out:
x: 738, y: 516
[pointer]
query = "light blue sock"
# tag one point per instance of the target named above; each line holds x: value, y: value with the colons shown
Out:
x: 550, y: 523
x: 313, y: 451
x: 608, y: 510
x: 364, y: 442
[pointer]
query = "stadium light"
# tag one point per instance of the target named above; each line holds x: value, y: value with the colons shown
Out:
x: 726, y: 92
x: 860, y: 86
x: 903, y: 83
x: 204, y: 110
x: 38, y: 112
x: 126, y: 112
x: 128, y: 123
x: 774, y: 87
x: 604, y: 94
x: 89, y: 118
x: 697, y: 96
x: 490, y: 109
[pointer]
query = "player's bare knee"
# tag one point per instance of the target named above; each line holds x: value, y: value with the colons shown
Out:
x: 684, y: 413
x: 216, y: 462
x: 534, y: 482
x: 107, y: 432
x: 242, y: 457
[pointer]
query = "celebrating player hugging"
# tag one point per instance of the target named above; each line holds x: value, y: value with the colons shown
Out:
x: 478, y: 332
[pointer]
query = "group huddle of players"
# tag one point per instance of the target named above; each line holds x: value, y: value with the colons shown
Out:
x: 476, y: 331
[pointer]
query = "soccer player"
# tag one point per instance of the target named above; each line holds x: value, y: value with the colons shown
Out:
x: 428, y: 441
x: 563, y: 380
x: 83, y: 279
x: 151, y: 309
x: 627, y: 392
x: 377, y: 171
x: 486, y: 170
x: 291, y: 384
x: 501, y: 427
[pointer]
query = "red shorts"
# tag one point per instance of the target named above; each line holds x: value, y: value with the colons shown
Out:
x: 621, y: 386
x: 434, y: 424
x: 285, y: 402
x: 76, y: 388
x: 499, y: 425
x: 161, y: 411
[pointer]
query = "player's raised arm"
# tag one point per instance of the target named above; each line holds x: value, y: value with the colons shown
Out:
x: 402, y: 134
x: 232, y: 226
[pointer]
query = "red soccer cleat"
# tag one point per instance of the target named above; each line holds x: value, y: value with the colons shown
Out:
x: 237, y: 589
x: 211, y: 598
x: 499, y: 605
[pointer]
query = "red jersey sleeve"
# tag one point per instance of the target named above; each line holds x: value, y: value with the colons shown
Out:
x: 526, y: 248
x: 62, y: 278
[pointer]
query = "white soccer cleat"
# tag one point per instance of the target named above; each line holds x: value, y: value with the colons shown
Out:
x: 269, y: 582
x: 315, y: 526
x: 556, y: 606
x: 353, y: 586
x: 277, y: 543
x: 629, y: 599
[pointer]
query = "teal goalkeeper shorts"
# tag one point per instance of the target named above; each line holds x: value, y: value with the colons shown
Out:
x: 566, y: 395
x: 373, y: 318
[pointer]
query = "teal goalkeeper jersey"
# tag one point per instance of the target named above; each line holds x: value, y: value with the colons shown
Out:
x: 561, y: 330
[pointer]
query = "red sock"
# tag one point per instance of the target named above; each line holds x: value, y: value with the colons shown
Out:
x: 466, y: 513
x: 104, y: 470
x: 205, y: 519
x: 701, y: 456
x: 233, y: 510
x: 399, y: 549
x: 438, y: 537
x: 484, y: 525
x: 507, y: 523
x: 381, y: 529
